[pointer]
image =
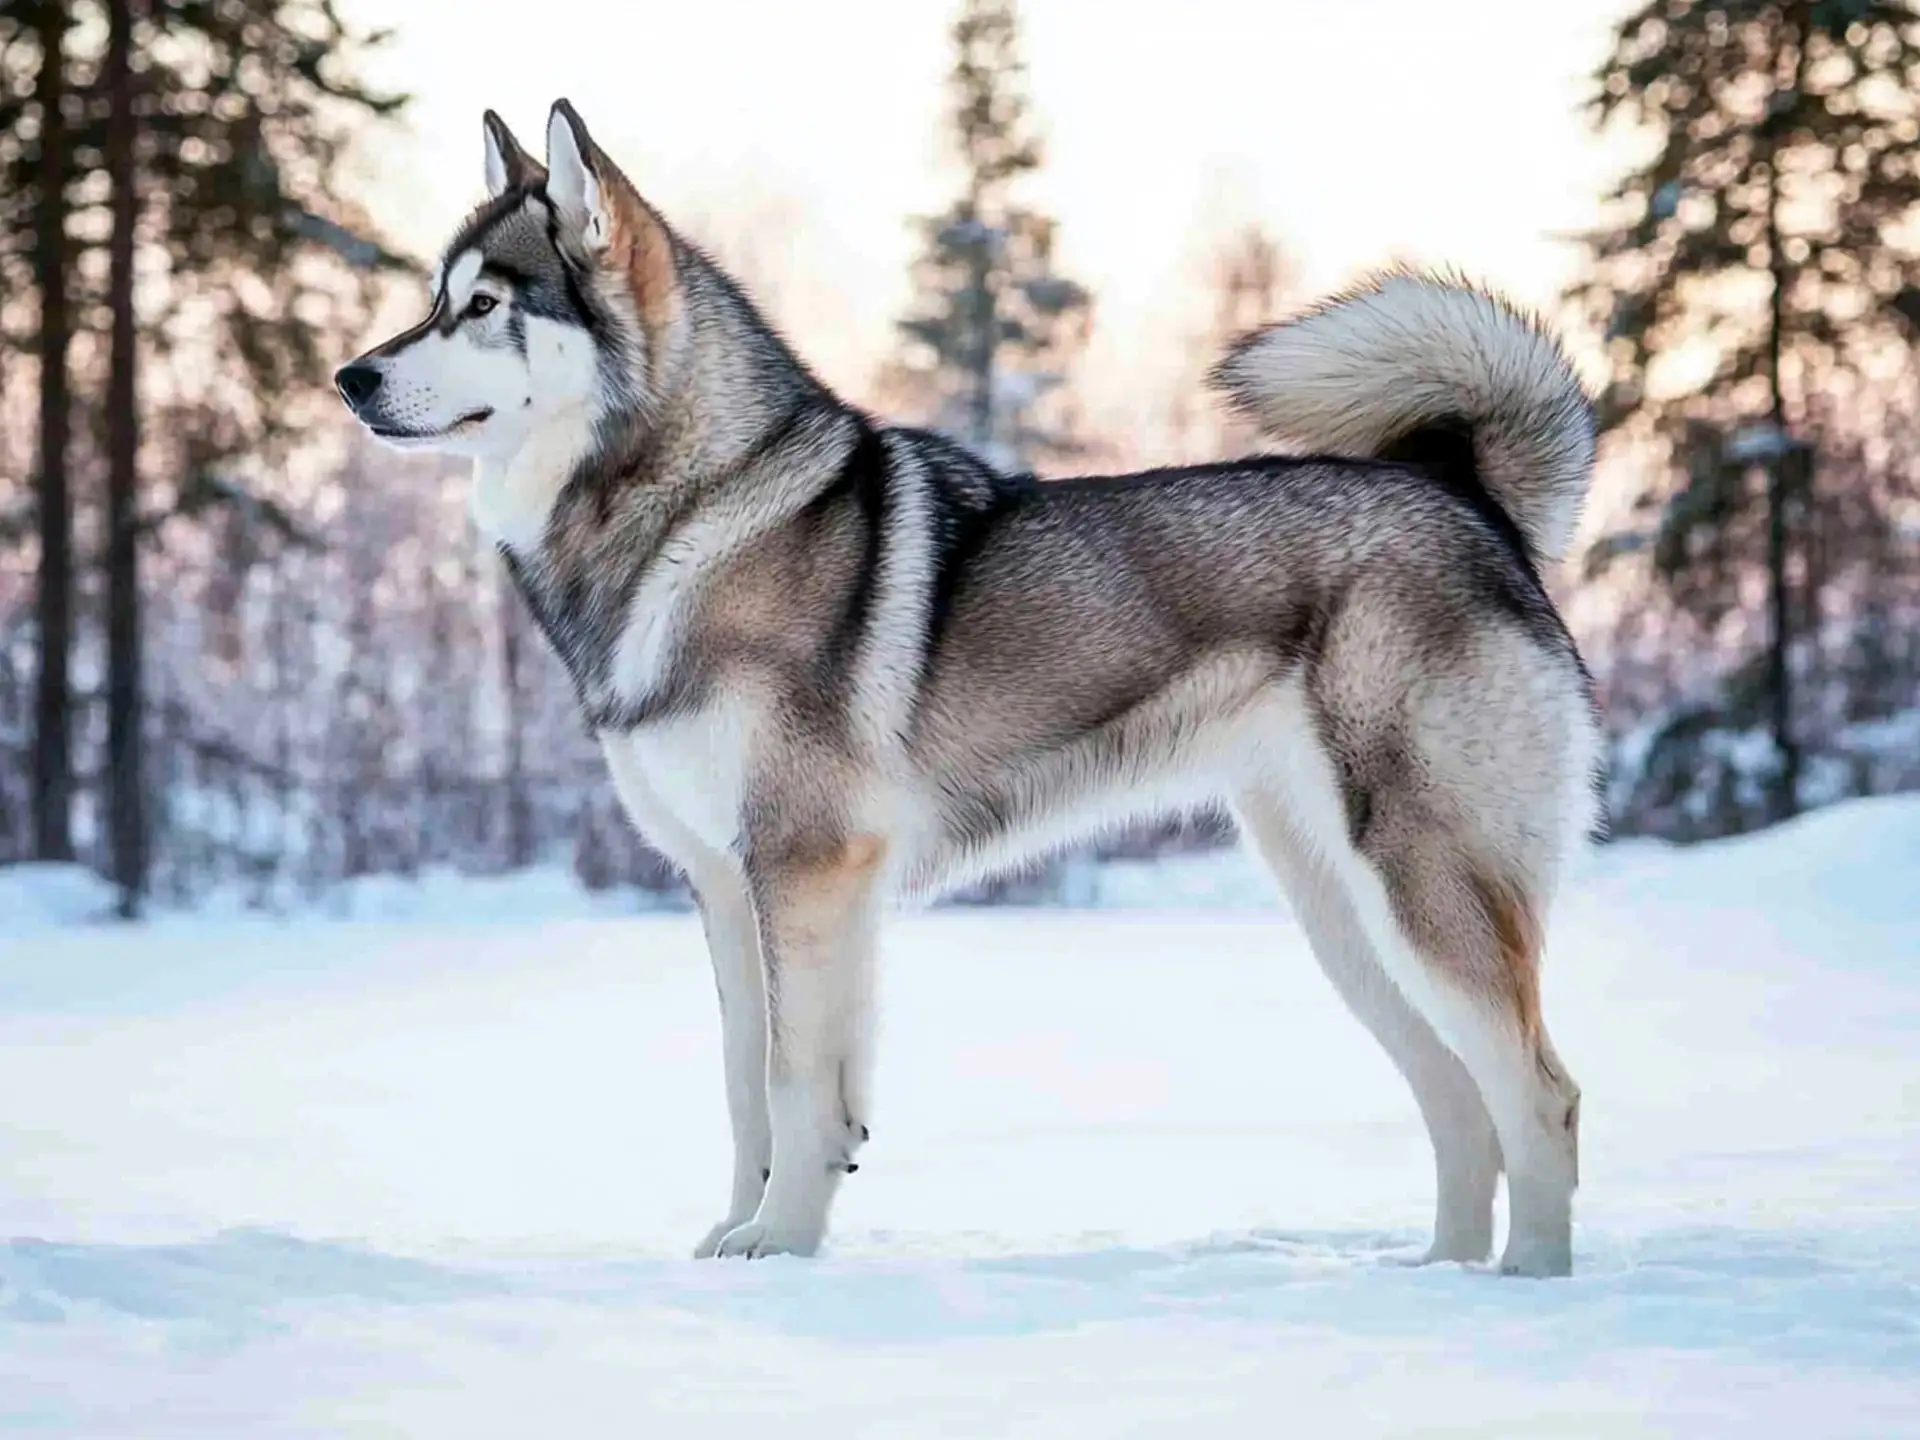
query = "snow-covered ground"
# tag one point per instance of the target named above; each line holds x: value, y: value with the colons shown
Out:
x: 1133, y: 1173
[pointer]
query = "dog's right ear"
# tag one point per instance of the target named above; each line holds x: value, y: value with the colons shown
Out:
x: 507, y: 164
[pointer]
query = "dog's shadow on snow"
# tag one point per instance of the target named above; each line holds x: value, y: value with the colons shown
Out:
x: 1758, y: 1295
x: 239, y: 1282
x: 1754, y: 1295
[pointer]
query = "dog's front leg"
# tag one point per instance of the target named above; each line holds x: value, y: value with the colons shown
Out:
x: 733, y: 942
x: 818, y: 912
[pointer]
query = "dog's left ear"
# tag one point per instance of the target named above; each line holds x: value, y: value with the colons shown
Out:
x: 604, y: 220
x: 507, y: 164
x: 577, y: 182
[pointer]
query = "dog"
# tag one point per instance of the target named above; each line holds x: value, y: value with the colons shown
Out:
x: 831, y: 662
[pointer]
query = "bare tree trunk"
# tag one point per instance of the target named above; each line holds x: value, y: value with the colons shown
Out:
x: 52, y: 737
x: 519, y: 805
x: 125, y: 795
x: 1782, y: 469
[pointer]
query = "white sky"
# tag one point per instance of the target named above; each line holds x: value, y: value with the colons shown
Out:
x: 1358, y: 130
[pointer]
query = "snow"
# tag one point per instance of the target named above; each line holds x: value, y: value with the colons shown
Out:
x: 1134, y: 1172
x: 50, y: 895
x: 1727, y: 768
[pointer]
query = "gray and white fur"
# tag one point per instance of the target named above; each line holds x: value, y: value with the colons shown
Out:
x: 831, y: 661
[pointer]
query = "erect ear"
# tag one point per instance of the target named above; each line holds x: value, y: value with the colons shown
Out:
x: 601, y: 215
x: 577, y: 179
x: 507, y: 164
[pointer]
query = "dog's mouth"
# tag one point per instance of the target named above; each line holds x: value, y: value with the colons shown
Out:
x: 394, y: 435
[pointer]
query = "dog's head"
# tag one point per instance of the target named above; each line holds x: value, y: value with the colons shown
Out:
x: 557, y: 298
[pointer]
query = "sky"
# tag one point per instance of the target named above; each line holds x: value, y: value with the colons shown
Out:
x: 797, y: 138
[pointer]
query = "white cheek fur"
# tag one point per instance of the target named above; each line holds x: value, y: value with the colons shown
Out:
x: 514, y: 488
x: 562, y: 371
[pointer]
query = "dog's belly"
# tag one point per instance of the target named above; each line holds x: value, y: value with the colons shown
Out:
x: 1003, y: 824
x: 1191, y: 747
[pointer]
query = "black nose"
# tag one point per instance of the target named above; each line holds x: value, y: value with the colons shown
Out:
x: 356, y: 383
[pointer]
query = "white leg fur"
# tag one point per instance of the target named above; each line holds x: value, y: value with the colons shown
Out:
x: 733, y: 946
x: 1466, y: 1149
x: 733, y: 943
x: 1533, y: 1115
x: 817, y: 932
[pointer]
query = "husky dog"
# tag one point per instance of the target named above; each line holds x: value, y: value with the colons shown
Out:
x: 831, y: 661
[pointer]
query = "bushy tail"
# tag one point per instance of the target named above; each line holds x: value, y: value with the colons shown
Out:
x: 1405, y: 356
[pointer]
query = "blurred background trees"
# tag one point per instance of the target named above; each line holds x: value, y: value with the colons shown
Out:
x: 1248, y: 283
x: 994, y: 327
x: 241, y: 650
x: 174, y: 262
x: 1748, y: 282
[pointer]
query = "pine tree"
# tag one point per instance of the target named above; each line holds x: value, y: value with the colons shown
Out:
x: 219, y: 126
x: 248, y: 108
x: 994, y: 327
x: 1786, y: 152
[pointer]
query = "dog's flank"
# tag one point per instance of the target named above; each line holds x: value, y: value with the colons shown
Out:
x: 831, y: 661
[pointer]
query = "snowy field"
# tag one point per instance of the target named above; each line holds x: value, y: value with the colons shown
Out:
x: 1134, y: 1172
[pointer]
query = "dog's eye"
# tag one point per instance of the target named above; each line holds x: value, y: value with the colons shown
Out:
x: 481, y: 305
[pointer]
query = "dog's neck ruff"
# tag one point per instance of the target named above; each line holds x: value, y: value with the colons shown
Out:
x: 513, y: 498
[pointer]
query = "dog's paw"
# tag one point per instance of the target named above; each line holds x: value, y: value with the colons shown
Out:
x: 710, y: 1245
x: 757, y: 1239
x: 1551, y: 1258
x: 1467, y: 1251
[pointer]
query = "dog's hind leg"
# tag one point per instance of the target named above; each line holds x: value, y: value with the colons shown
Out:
x: 1466, y: 1150
x: 1443, y: 821
x: 1465, y: 941
x: 817, y: 911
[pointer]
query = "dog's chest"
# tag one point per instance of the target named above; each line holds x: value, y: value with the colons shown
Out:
x: 627, y: 646
x: 684, y: 779
x: 680, y: 769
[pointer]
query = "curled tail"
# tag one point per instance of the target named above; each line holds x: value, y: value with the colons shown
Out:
x: 1406, y: 365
